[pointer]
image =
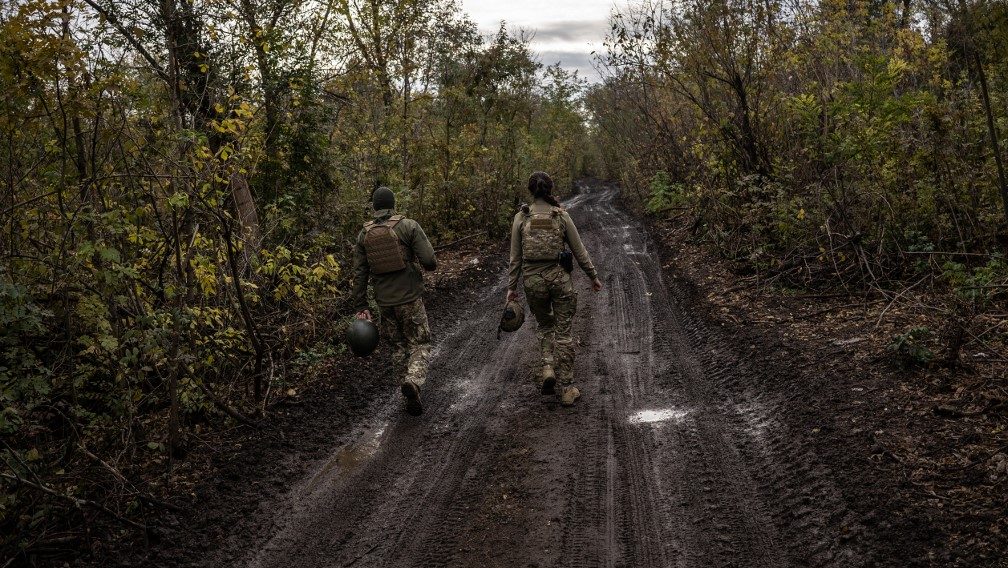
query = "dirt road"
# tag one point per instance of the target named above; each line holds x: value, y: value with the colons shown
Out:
x: 675, y: 456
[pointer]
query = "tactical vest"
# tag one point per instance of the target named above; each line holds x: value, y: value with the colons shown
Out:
x: 381, y: 244
x: 542, y: 235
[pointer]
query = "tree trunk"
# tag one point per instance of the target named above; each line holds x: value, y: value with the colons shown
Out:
x: 992, y: 130
x: 247, y: 216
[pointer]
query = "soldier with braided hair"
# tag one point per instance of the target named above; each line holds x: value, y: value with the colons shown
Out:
x: 540, y: 233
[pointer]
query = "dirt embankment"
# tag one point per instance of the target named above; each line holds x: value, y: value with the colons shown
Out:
x: 919, y: 454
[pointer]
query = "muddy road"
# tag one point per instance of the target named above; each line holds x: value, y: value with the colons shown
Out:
x: 675, y: 455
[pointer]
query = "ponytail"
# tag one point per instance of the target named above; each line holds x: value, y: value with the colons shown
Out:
x: 540, y: 185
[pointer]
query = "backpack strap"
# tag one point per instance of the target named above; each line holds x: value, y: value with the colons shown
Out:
x: 394, y: 220
x: 526, y: 213
x: 557, y: 213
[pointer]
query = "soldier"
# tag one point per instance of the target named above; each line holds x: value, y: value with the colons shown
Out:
x: 387, y: 252
x: 538, y: 235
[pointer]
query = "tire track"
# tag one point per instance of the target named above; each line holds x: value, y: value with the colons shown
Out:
x: 675, y: 455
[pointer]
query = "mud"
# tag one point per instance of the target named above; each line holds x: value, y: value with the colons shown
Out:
x: 685, y: 450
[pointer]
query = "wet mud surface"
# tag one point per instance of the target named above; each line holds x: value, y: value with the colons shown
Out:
x: 694, y: 445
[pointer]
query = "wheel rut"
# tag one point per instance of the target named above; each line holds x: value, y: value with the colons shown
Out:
x: 674, y: 457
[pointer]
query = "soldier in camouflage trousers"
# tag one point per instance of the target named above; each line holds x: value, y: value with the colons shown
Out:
x: 390, y: 251
x: 405, y: 328
x: 539, y: 233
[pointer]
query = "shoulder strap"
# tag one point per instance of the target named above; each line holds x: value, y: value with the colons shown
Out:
x: 526, y: 213
x: 394, y: 220
x: 390, y: 222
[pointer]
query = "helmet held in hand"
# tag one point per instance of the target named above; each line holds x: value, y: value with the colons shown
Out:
x: 362, y: 337
x: 513, y: 317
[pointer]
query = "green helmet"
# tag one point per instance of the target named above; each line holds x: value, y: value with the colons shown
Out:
x: 362, y: 337
x: 513, y: 317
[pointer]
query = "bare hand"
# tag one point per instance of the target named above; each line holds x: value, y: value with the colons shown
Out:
x: 596, y: 284
x: 364, y: 315
x: 512, y: 296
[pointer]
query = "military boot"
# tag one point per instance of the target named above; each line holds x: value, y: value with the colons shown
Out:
x: 570, y: 394
x: 549, y: 381
x: 412, y: 394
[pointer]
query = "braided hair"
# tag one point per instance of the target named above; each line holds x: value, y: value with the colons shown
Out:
x: 541, y: 185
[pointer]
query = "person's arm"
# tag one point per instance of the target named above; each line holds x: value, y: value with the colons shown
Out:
x: 423, y: 251
x: 578, y: 248
x: 515, y: 267
x: 362, y: 272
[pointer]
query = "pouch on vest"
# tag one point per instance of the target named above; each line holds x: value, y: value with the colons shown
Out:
x: 542, y: 236
x: 566, y: 260
x: 382, y: 246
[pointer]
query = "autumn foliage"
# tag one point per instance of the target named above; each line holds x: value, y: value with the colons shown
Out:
x: 180, y: 182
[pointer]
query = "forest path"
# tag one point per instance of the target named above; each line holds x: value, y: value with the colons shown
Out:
x: 674, y: 456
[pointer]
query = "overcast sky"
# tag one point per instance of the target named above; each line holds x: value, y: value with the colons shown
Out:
x: 565, y: 30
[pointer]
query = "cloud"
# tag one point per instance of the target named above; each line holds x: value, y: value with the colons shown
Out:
x: 571, y: 31
x: 569, y: 42
x: 580, y: 61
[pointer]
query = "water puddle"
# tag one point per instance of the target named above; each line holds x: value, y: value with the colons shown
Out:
x: 659, y: 416
x: 352, y: 455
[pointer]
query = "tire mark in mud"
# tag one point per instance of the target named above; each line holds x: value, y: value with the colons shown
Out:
x: 673, y: 457
x: 389, y: 504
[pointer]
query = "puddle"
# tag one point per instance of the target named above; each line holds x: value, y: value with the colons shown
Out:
x: 659, y: 415
x: 352, y: 455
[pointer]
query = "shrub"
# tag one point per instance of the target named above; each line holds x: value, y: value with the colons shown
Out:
x: 909, y: 348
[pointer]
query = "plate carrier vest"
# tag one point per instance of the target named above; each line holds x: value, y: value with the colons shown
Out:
x: 542, y: 234
x: 381, y: 243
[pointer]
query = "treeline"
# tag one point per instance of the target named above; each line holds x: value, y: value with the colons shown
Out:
x: 181, y: 179
x: 836, y: 143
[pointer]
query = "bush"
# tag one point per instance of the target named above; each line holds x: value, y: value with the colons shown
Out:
x: 664, y: 194
x: 909, y: 348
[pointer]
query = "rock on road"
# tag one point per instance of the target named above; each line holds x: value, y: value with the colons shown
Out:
x: 674, y: 456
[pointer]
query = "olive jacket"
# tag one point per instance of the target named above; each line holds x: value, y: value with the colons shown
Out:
x: 394, y: 288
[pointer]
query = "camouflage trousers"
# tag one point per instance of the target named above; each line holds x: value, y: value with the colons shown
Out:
x: 553, y: 301
x: 405, y: 328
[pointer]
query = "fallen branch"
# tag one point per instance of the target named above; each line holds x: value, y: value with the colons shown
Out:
x: 224, y: 407
x: 822, y: 296
x: 122, y: 479
x: 76, y: 501
x: 457, y: 241
x: 833, y: 308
